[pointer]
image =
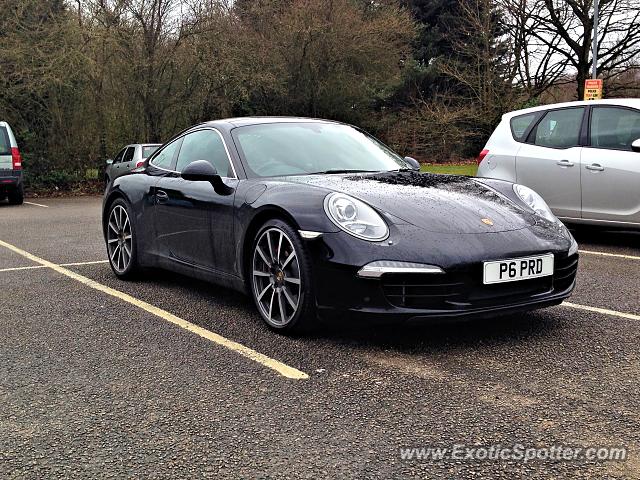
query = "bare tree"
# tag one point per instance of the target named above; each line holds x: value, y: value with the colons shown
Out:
x: 553, y: 37
x: 534, y: 65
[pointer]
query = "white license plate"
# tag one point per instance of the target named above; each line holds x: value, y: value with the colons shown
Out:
x: 518, y: 269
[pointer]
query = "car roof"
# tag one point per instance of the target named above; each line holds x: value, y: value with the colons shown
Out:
x: 625, y: 102
x: 244, y: 121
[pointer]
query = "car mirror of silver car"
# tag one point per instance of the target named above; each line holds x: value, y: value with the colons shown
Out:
x: 635, y: 146
x: 109, y: 161
x: 203, y: 171
x: 415, y: 165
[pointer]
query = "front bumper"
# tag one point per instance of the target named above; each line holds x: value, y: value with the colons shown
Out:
x: 458, y: 292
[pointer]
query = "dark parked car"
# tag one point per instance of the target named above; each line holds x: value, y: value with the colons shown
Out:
x: 11, y: 183
x: 313, y: 217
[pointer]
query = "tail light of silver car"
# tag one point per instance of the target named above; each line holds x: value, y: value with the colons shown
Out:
x: 16, y: 159
x: 483, y: 154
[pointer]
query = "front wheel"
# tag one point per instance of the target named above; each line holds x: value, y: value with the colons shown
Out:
x: 121, y: 241
x: 281, y: 281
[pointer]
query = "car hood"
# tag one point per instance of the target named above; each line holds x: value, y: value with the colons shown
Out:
x: 437, y: 203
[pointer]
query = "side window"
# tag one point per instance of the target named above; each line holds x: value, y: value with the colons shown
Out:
x: 205, y: 145
x: 128, y: 155
x: 615, y: 128
x: 559, y: 128
x: 119, y: 156
x: 5, y: 144
x: 164, y: 158
x: 520, y: 125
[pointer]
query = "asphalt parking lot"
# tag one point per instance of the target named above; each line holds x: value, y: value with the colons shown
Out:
x: 96, y: 383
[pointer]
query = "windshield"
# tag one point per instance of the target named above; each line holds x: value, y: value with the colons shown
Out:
x: 276, y: 149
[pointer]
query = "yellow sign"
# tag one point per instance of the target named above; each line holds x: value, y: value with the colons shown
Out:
x: 593, y: 89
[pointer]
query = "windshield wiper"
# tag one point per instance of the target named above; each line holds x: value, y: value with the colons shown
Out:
x: 343, y: 170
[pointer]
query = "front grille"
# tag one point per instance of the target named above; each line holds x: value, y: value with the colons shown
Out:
x: 464, y: 289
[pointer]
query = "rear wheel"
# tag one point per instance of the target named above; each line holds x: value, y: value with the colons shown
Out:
x: 281, y: 282
x: 121, y: 241
x: 17, y: 197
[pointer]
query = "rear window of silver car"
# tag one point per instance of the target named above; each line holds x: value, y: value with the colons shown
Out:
x: 520, y: 125
x: 147, y: 151
x: 5, y: 144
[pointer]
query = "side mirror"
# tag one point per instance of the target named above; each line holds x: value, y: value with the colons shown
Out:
x: 635, y: 146
x: 109, y: 161
x: 203, y: 171
x: 415, y: 164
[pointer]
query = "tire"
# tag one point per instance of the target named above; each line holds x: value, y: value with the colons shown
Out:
x: 122, y: 251
x: 281, y: 279
x: 16, y: 197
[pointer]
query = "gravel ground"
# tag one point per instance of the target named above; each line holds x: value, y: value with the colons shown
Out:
x: 91, y: 386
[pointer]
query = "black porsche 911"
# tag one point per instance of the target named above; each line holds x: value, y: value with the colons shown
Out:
x: 314, y: 217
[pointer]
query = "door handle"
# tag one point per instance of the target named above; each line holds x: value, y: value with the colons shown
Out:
x: 596, y: 167
x: 161, y: 196
x: 565, y: 163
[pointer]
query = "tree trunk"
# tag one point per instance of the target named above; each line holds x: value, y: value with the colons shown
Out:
x: 581, y: 76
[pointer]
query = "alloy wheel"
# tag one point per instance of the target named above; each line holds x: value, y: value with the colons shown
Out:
x: 119, y: 239
x: 276, y: 277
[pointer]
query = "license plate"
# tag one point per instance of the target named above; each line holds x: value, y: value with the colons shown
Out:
x: 518, y: 269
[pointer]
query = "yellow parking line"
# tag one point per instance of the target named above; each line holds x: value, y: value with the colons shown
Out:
x: 33, y: 267
x: 37, y: 204
x: 75, y: 264
x: 604, y: 254
x: 15, y: 269
x: 279, y: 367
x: 605, y: 311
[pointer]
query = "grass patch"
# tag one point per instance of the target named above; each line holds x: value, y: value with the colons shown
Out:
x: 469, y: 169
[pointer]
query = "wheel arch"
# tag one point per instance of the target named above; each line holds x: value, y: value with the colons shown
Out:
x: 113, y: 196
x: 266, y: 213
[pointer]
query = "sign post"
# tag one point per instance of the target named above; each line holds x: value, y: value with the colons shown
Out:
x: 593, y: 89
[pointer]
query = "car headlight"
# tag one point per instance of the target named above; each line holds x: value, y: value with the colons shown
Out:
x: 355, y: 217
x: 535, y: 202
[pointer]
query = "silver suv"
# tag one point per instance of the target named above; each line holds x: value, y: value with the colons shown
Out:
x: 11, y: 184
x: 129, y: 158
x: 582, y: 157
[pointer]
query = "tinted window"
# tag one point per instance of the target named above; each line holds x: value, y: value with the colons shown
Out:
x: 118, y: 158
x: 615, y: 128
x: 164, y: 159
x: 205, y: 145
x: 300, y: 148
x: 5, y: 144
x: 128, y: 156
x: 559, y: 128
x: 147, y: 151
x: 520, y: 125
